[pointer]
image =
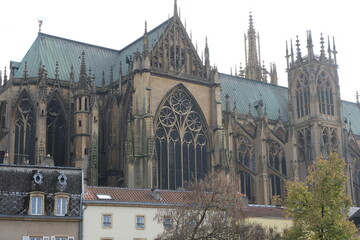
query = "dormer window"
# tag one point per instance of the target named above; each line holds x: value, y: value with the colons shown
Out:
x: 36, y: 203
x: 61, y: 204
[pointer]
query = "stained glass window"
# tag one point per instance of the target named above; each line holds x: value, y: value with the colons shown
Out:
x: 181, y: 141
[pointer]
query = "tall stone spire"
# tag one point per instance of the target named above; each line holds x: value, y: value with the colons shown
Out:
x: 253, y: 67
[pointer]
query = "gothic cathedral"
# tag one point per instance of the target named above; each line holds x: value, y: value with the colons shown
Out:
x: 156, y: 114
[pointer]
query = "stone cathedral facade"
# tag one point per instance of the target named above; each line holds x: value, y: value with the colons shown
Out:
x: 156, y: 114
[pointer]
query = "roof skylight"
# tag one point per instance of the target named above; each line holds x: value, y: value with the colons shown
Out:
x: 103, y: 196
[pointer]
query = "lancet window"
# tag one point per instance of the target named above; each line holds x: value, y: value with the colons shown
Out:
x: 302, y: 96
x: 277, y: 163
x: 304, y: 144
x: 246, y: 154
x: 325, y: 94
x: 25, y: 131
x: 247, y: 185
x: 181, y: 141
x: 56, y: 132
x: 277, y: 158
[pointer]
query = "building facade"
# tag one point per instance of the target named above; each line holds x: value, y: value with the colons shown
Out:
x: 156, y: 114
x: 40, y: 203
x: 112, y: 213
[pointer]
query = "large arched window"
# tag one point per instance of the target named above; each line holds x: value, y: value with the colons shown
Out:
x: 56, y: 132
x: 181, y: 141
x: 25, y: 131
x: 325, y: 94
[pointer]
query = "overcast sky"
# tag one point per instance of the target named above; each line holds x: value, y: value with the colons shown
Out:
x: 115, y: 24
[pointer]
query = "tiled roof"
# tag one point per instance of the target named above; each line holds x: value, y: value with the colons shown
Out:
x: 136, y: 196
x: 51, y: 49
x: 265, y: 211
x: 245, y: 91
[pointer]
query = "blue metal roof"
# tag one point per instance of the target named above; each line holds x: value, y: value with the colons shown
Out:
x: 245, y: 91
x: 51, y: 49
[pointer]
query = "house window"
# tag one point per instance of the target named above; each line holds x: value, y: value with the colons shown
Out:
x: 140, y: 222
x: 36, y: 238
x: 62, y: 238
x: 167, y: 223
x: 61, y: 205
x: 106, y: 220
x: 36, y: 203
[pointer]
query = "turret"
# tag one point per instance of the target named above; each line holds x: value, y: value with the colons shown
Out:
x: 81, y: 137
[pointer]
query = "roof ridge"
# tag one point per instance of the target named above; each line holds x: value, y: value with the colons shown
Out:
x: 77, y: 42
x: 252, y: 80
x: 149, y: 33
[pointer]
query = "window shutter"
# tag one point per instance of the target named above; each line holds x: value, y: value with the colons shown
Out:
x: 25, y: 238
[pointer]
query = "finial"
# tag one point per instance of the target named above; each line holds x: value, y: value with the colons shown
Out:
x: 57, y: 70
x: 83, y: 65
x: 298, y: 54
x: 322, y: 51
x: 334, y: 51
x: 145, y: 26
x: 329, y: 50
x: 111, y: 75
x: 287, y: 55
x: 175, y: 9
x: 251, y: 23
x: 310, y: 45
x: 5, y: 76
x: 292, y: 52
x: 72, y: 73
x: 103, y: 79
x: 40, y: 21
x: 357, y: 97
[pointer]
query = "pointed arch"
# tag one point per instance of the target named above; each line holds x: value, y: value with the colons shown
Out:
x: 325, y: 93
x: 25, y: 130
x: 182, y: 140
x: 57, y: 130
x: 302, y: 93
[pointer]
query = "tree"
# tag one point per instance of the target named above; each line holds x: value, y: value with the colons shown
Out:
x: 319, y: 206
x: 213, y: 209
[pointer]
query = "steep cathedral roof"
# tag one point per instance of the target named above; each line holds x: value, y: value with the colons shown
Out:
x: 243, y: 92
x: 51, y: 49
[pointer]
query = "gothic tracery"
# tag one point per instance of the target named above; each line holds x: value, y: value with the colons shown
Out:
x: 181, y: 141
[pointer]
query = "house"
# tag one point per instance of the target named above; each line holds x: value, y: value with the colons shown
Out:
x: 40, y: 203
x: 129, y: 214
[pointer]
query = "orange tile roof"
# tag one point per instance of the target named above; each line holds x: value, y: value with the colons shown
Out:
x: 133, y: 195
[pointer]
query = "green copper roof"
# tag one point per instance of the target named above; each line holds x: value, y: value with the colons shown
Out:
x: 51, y: 49
x: 351, y: 111
x: 244, y: 92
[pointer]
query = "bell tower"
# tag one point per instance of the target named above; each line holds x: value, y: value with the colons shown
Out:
x: 315, y: 108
